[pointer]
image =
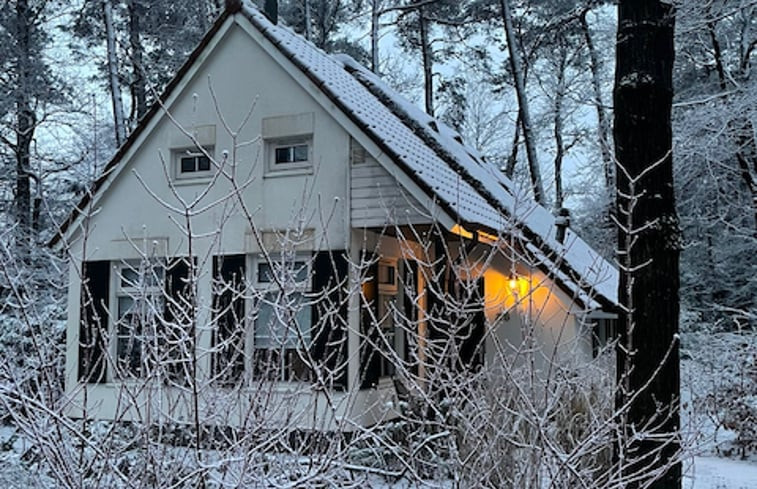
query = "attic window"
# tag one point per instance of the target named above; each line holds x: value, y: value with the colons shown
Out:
x: 285, y: 155
x: 294, y: 153
x: 192, y: 163
x: 288, y: 144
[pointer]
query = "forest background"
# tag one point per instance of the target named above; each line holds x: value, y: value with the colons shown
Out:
x: 77, y: 76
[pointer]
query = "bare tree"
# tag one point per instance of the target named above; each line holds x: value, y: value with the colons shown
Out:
x: 524, y: 114
x: 113, y: 73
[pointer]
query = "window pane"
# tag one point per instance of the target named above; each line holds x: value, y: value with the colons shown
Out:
x: 301, y: 152
x: 129, y: 277
x: 203, y: 163
x: 124, y: 306
x: 188, y: 164
x: 129, y: 354
x: 264, y: 273
x: 301, y: 271
x: 284, y: 155
x: 272, y: 327
x: 156, y: 276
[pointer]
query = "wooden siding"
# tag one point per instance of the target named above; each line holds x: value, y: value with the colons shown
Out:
x: 377, y: 199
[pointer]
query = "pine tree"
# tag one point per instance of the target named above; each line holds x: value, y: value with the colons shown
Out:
x: 28, y: 90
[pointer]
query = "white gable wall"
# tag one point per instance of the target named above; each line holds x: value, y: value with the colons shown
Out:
x: 240, y: 74
x: 129, y: 219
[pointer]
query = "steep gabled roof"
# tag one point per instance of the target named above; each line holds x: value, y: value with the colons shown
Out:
x: 434, y: 156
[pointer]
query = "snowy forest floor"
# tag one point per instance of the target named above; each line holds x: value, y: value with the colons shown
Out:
x: 719, y: 404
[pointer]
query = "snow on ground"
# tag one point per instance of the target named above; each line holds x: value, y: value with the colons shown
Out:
x: 720, y: 473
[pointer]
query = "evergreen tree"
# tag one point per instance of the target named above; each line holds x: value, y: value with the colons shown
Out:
x: 29, y: 92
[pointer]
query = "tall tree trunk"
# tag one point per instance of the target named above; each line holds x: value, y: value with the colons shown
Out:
x: 520, y: 89
x: 648, y: 244
x: 426, y: 56
x: 603, y: 123
x: 746, y: 157
x: 512, y: 159
x: 306, y: 21
x: 25, y: 123
x: 138, y: 84
x: 375, y: 15
x: 558, y: 124
x: 115, y: 85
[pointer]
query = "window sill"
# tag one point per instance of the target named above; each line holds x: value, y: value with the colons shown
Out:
x: 291, y: 172
x: 186, y: 181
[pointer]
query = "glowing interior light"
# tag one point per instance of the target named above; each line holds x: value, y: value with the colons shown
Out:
x: 513, y: 284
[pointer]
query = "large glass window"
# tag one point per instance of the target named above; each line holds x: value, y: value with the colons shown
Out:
x: 138, y: 306
x: 282, y: 329
x: 263, y: 318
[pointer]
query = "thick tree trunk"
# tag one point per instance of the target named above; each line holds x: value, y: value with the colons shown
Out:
x: 649, y: 244
x: 520, y: 90
x: 603, y: 123
x: 115, y: 85
x: 138, y: 84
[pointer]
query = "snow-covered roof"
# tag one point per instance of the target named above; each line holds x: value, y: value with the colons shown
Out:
x: 429, y: 152
x: 435, y: 157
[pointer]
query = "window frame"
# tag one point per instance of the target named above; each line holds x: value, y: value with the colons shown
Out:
x: 285, y: 355
x: 177, y: 154
x: 273, y: 145
x: 147, y: 295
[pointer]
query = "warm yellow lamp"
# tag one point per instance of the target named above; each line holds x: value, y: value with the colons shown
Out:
x: 513, y: 283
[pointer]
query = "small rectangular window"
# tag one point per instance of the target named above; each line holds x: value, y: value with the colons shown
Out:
x: 192, y: 163
x: 195, y: 163
x: 292, y: 154
x: 289, y: 154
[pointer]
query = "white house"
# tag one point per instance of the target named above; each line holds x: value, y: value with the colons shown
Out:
x: 284, y: 223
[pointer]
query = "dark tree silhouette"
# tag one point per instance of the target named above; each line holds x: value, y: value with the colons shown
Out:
x: 649, y: 242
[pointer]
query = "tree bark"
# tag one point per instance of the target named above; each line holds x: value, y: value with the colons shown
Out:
x: 426, y: 56
x: 520, y: 89
x: 306, y: 20
x: 558, y: 124
x: 138, y: 84
x: 115, y: 86
x: 25, y: 124
x: 649, y: 245
x: 375, y: 15
x: 512, y: 159
x: 746, y: 157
